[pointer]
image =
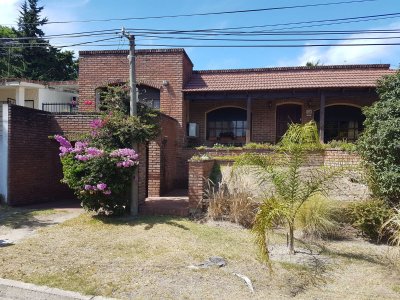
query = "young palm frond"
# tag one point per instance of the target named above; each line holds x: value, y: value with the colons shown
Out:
x: 294, y: 185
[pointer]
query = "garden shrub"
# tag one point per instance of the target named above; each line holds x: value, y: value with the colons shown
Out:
x: 369, y: 217
x: 379, y: 145
x: 99, y: 167
x: 342, y: 145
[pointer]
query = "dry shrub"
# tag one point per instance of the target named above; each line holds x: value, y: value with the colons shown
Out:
x: 237, y: 206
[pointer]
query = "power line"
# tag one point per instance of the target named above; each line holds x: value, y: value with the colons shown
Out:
x: 208, y: 13
x: 229, y: 46
x: 394, y: 15
x: 212, y: 31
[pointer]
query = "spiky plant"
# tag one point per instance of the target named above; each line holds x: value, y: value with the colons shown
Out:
x: 392, y: 227
x: 293, y: 185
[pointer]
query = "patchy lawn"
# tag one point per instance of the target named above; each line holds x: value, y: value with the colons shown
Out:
x: 148, y: 258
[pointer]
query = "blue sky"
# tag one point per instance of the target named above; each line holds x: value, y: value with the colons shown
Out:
x: 217, y: 58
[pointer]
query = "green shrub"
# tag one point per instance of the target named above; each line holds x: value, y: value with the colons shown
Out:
x: 258, y: 146
x: 379, y: 145
x: 369, y: 216
x: 342, y: 145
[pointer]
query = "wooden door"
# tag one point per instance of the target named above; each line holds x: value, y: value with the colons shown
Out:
x: 285, y: 115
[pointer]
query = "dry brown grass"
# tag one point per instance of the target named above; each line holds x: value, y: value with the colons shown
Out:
x: 147, y: 258
x: 237, y: 206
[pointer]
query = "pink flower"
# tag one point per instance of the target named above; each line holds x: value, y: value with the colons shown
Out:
x: 101, y: 186
x: 96, y: 124
x: 63, y: 141
x: 88, y: 187
x: 107, y: 192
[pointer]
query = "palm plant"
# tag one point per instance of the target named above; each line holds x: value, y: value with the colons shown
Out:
x: 293, y: 184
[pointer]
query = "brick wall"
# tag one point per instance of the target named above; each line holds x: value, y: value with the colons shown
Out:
x: 34, y: 165
x: 163, y: 159
x: 329, y: 157
x: 199, y: 172
x: 73, y: 125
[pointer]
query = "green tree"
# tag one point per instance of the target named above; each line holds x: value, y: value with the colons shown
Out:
x: 40, y: 60
x: 10, y: 54
x: 294, y: 185
x: 379, y: 145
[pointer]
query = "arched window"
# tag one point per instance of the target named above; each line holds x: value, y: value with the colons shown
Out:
x: 342, y: 122
x: 228, y: 123
x: 147, y: 95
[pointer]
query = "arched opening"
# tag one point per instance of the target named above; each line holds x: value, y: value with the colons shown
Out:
x: 227, y: 125
x: 342, y: 122
x: 147, y: 95
x: 286, y: 114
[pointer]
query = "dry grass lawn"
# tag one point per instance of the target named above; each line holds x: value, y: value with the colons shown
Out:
x: 148, y: 258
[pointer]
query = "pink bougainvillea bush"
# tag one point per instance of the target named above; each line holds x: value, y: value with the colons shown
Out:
x: 99, y: 178
x: 99, y: 167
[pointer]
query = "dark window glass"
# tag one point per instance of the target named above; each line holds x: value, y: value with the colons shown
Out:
x: 227, y: 122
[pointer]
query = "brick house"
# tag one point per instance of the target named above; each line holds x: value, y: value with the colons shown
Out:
x: 221, y: 106
x: 229, y: 106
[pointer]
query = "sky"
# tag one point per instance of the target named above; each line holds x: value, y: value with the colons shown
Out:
x: 226, y: 58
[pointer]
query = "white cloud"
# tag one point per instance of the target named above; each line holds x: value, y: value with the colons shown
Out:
x: 9, y: 11
x: 355, y: 54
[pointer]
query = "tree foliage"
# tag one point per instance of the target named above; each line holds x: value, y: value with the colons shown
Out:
x: 379, y: 145
x: 31, y: 55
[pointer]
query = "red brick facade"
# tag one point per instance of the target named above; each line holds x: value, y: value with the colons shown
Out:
x: 199, y: 172
x: 34, y: 167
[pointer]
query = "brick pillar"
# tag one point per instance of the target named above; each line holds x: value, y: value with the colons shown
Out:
x: 199, y: 171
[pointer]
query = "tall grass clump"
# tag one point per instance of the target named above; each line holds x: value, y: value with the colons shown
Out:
x: 316, y: 219
x: 236, y: 205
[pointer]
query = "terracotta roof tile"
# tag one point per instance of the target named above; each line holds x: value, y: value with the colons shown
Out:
x: 341, y: 76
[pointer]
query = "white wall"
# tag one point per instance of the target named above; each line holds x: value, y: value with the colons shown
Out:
x: 54, y: 96
x: 3, y: 150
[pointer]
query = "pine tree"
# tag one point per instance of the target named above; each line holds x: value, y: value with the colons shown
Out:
x: 41, y: 61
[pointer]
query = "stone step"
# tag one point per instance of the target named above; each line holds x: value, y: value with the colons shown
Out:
x: 165, y: 207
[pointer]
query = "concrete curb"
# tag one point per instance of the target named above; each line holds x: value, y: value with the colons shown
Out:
x: 16, y: 290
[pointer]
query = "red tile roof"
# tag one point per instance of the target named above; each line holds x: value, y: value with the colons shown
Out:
x: 338, y: 76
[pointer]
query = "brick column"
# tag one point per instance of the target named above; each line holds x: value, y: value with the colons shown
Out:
x: 199, y: 171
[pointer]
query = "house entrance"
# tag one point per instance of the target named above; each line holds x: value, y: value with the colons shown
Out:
x: 286, y: 114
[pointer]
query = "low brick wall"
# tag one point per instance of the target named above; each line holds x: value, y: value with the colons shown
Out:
x: 336, y: 157
x: 199, y: 172
x: 328, y: 157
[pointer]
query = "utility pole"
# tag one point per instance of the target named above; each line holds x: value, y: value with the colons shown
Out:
x: 134, y: 201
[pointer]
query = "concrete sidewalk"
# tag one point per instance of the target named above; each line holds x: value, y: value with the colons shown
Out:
x: 16, y: 290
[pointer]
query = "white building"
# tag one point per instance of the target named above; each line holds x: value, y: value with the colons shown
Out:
x: 59, y: 96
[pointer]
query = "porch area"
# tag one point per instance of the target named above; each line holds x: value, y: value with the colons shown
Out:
x: 263, y: 117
